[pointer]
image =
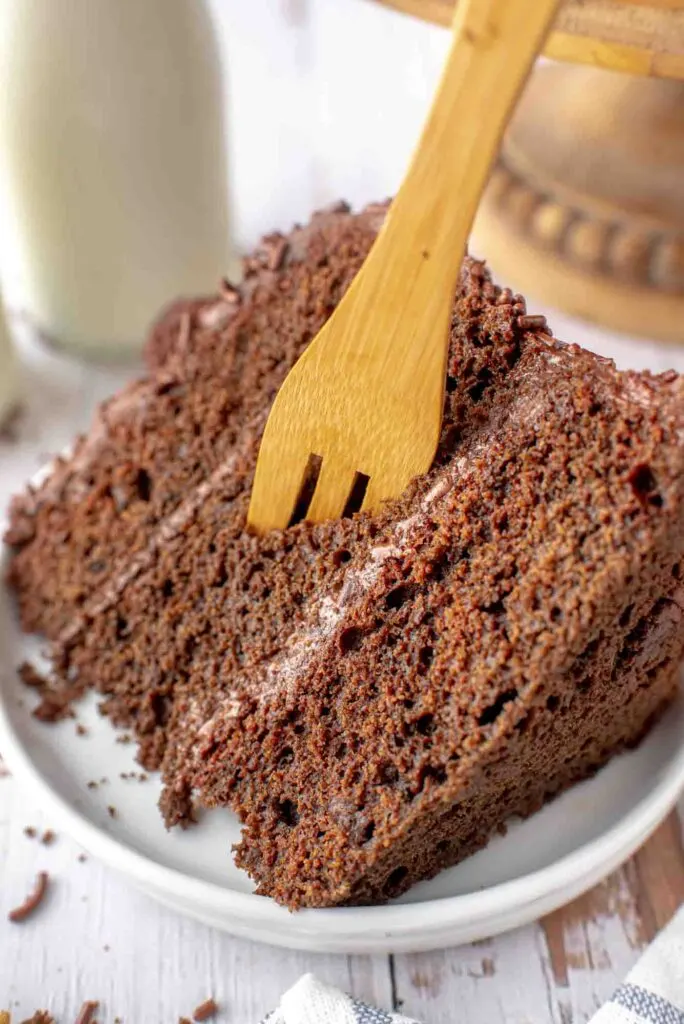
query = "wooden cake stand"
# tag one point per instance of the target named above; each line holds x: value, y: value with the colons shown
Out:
x: 585, y: 209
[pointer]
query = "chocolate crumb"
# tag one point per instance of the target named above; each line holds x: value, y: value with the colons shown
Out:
x: 30, y: 832
x: 31, y: 677
x: 82, y: 858
x: 54, y: 707
x: 93, y: 784
x: 342, y: 206
x: 133, y: 776
x: 181, y: 1020
x: 81, y: 730
x: 205, y: 1010
x: 87, y: 1012
x: 112, y: 811
x: 519, y: 305
x: 32, y: 901
x: 39, y: 1017
x: 532, y: 322
x: 125, y: 738
x: 48, y: 837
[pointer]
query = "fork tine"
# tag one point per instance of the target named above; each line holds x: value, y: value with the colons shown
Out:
x: 334, y: 485
x: 274, y: 492
x: 380, y: 490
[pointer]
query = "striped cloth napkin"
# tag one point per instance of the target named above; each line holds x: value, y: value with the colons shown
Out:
x: 310, y: 1001
x: 654, y: 991
x: 652, y: 994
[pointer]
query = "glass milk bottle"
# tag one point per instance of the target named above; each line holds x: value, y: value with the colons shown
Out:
x: 112, y: 164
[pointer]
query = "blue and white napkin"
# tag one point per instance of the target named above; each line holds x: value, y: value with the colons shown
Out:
x: 654, y: 991
x: 652, y: 994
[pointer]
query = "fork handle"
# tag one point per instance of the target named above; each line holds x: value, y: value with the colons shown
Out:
x: 423, y: 240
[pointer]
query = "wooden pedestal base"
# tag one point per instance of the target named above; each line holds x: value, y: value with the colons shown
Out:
x: 585, y: 209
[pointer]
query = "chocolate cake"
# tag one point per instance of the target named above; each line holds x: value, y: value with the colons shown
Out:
x: 373, y: 696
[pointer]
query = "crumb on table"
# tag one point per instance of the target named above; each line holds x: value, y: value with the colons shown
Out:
x: 32, y: 901
x: 205, y: 1010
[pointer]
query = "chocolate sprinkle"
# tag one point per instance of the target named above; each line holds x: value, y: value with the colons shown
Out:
x: 32, y: 901
x: 532, y: 322
x: 87, y: 1012
x: 205, y: 1010
x: 184, y: 330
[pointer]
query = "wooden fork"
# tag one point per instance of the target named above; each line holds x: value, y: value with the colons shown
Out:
x: 359, y: 415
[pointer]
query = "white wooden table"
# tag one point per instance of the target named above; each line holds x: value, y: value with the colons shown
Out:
x: 325, y: 98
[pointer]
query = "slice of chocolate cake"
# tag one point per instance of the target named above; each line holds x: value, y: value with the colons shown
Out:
x: 372, y: 696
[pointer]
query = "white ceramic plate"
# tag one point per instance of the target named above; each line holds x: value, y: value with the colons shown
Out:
x: 539, y: 865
